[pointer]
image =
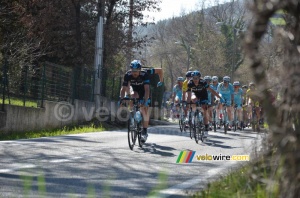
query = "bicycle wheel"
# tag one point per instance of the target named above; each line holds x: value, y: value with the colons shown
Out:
x: 225, y: 122
x: 196, y: 128
x: 132, y: 134
x: 190, y: 125
x: 253, y: 123
x: 139, y: 134
x: 181, y: 121
x: 214, y: 121
x: 234, y: 121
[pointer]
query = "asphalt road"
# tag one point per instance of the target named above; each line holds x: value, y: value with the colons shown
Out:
x: 101, y: 164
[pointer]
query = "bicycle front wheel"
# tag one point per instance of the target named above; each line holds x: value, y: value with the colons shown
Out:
x: 132, y: 134
x: 196, y: 129
x: 214, y: 121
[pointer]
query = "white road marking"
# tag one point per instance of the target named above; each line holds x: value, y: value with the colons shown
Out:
x: 17, y: 167
x: 179, y: 188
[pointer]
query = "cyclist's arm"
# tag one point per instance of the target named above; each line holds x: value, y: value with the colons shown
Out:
x: 189, y: 93
x: 183, y: 96
x: 147, y: 91
x: 173, y: 94
x: 213, y: 92
x: 128, y: 89
x: 160, y: 73
x: 125, y: 86
x: 122, y: 92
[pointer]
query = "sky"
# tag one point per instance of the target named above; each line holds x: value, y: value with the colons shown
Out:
x: 170, y: 8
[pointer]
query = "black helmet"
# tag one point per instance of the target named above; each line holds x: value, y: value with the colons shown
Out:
x: 196, y: 73
x: 188, y: 74
x: 135, y: 64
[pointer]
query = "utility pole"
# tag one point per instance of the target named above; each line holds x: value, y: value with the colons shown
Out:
x: 130, y: 29
x: 98, y: 62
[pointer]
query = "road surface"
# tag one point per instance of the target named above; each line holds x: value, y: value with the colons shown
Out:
x: 101, y: 164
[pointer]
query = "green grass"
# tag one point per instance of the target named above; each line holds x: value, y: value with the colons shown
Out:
x: 19, y: 102
x: 253, y: 180
x: 55, y: 132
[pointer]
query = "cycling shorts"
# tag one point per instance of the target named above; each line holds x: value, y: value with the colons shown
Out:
x: 228, y: 100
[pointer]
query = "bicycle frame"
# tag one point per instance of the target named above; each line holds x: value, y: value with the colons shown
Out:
x: 196, y: 122
x: 214, y: 118
x: 225, y: 118
x: 134, y: 126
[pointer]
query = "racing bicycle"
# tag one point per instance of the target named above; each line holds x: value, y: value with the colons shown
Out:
x: 134, y: 124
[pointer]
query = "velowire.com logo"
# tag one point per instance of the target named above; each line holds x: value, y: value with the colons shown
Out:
x: 188, y: 156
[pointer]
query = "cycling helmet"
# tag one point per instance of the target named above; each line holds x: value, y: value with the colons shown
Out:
x: 180, y: 79
x: 188, y: 74
x: 236, y: 83
x: 135, y: 64
x: 215, y: 78
x: 245, y: 87
x: 207, y: 78
x: 226, y: 78
x: 196, y: 73
x: 251, y: 84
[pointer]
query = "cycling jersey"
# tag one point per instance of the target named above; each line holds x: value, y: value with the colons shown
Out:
x: 209, y: 95
x: 226, y: 92
x: 251, y: 93
x: 214, y: 87
x: 200, y: 90
x: 177, y: 91
x: 137, y: 83
x: 185, y: 85
x: 238, y: 97
x: 149, y: 71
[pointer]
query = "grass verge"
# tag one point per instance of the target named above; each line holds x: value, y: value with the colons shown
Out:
x: 258, y: 179
x: 19, y: 102
x: 86, y: 128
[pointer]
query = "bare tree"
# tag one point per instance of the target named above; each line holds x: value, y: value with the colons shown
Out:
x: 284, y: 116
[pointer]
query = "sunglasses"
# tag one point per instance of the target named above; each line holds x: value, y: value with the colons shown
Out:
x: 196, y: 78
x: 225, y: 81
x: 235, y: 86
x: 135, y: 70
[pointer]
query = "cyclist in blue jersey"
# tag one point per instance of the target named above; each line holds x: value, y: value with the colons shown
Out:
x: 139, y: 80
x: 215, y: 83
x: 214, y: 86
x: 210, y: 99
x: 177, y: 93
x: 225, y: 88
x: 238, y: 100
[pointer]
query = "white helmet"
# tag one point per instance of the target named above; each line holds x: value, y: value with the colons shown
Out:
x: 236, y: 83
x: 207, y: 77
x: 226, y: 78
x: 215, y: 78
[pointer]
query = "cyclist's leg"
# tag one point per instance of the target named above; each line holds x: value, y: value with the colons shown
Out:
x: 194, y: 100
x: 240, y: 115
x: 219, y: 112
x: 205, y: 109
x: 144, y: 112
x: 229, y: 109
x: 177, y: 103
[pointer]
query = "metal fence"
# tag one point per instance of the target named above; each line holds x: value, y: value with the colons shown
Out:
x: 31, y: 85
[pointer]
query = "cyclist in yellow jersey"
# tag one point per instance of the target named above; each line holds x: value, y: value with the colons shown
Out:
x: 245, y: 109
x: 188, y: 76
x: 252, y: 100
